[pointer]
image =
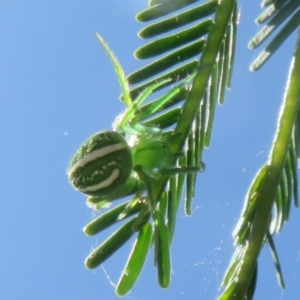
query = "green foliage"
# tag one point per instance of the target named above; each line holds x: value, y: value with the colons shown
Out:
x: 276, y: 183
x: 276, y: 13
x: 198, y: 62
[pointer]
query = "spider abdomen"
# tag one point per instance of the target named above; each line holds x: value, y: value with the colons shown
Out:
x: 101, y: 165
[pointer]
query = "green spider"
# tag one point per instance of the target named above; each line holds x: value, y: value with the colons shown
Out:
x: 133, y: 158
x: 104, y: 164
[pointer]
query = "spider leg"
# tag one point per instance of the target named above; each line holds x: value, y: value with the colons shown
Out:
x: 155, y: 106
x: 140, y: 129
x: 161, y: 232
x: 131, y: 111
x: 137, y: 113
x: 119, y: 71
x: 182, y: 170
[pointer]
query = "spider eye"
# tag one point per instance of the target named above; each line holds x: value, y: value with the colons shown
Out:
x: 102, y: 164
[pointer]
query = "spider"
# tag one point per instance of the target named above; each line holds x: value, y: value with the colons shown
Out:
x: 104, y: 165
x: 133, y: 158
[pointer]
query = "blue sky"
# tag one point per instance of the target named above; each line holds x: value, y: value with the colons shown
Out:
x: 58, y: 87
